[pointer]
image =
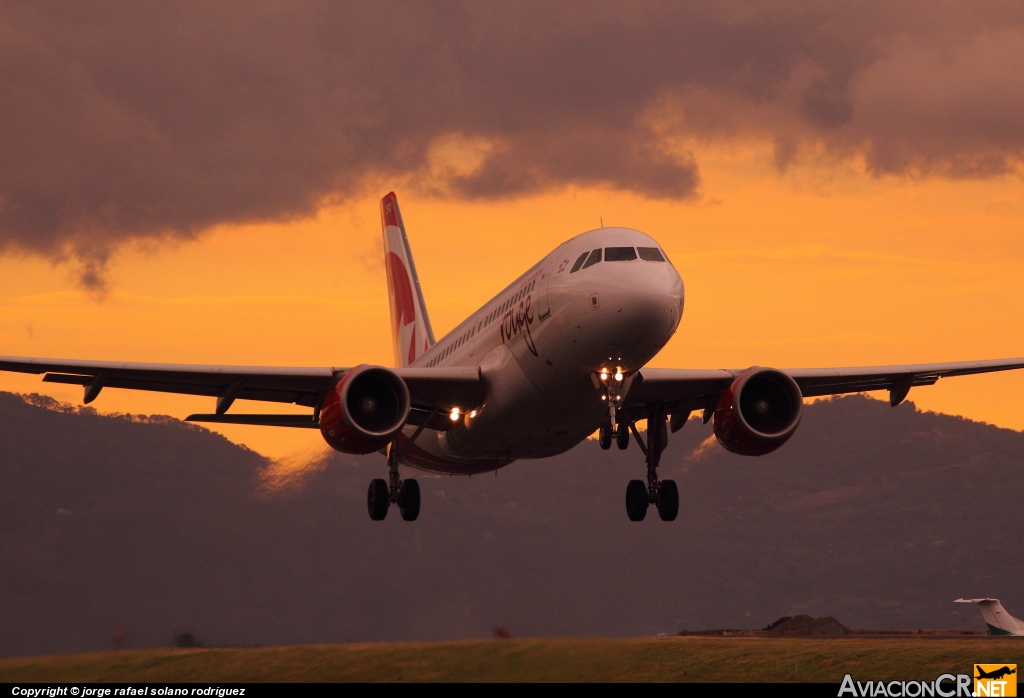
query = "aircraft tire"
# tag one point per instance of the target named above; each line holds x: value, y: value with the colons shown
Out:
x: 668, y: 500
x: 378, y: 499
x: 622, y: 437
x: 604, y: 436
x: 636, y: 500
x: 409, y: 500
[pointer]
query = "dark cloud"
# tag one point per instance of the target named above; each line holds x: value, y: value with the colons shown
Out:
x: 126, y: 120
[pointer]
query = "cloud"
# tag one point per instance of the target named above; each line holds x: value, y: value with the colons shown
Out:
x: 139, y: 120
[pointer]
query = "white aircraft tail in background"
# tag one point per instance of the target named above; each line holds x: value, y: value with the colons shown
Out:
x: 998, y: 620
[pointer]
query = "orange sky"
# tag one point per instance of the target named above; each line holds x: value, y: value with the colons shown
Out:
x: 823, y: 266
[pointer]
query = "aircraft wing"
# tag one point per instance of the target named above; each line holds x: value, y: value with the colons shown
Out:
x: 429, y: 388
x: 682, y: 390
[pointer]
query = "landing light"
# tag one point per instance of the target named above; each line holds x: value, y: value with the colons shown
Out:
x: 604, y: 374
x: 455, y: 414
x: 618, y: 375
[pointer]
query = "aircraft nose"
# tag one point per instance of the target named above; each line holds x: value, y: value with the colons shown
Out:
x: 655, y: 298
x: 645, y: 303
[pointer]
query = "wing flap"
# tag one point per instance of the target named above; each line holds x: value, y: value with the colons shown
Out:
x: 286, y: 391
x: 264, y: 420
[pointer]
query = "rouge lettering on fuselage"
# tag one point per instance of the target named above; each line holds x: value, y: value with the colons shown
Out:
x: 516, y: 320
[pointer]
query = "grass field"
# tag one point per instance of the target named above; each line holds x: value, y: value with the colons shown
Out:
x: 549, y: 659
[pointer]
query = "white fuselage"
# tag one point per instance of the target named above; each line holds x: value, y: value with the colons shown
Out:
x: 538, y: 344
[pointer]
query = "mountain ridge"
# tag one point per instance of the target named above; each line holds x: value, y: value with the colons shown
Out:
x: 128, y: 528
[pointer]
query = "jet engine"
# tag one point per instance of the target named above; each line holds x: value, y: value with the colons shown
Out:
x: 365, y: 410
x: 759, y: 412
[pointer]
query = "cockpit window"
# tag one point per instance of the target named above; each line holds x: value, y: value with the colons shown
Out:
x: 651, y: 254
x: 619, y: 254
x: 594, y: 258
x: 579, y: 263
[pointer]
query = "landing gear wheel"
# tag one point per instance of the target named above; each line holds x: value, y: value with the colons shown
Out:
x: 636, y: 500
x: 605, y: 437
x: 668, y: 500
x: 377, y: 499
x: 622, y: 437
x: 409, y: 500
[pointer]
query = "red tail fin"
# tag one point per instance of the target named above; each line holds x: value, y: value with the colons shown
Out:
x: 410, y: 325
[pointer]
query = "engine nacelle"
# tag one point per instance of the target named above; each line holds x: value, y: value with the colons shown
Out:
x: 365, y: 410
x: 759, y: 412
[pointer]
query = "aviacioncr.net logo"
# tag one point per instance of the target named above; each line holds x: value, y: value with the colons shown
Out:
x: 944, y: 686
x: 995, y: 680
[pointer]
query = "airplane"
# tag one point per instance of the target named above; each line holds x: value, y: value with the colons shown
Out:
x: 560, y: 353
x: 996, y: 674
x: 999, y: 622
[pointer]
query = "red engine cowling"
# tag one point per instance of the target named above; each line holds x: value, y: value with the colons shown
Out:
x: 365, y: 410
x: 759, y: 412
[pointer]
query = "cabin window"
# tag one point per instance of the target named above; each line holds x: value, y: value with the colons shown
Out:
x: 619, y: 254
x: 651, y: 254
x: 579, y: 263
x: 594, y: 258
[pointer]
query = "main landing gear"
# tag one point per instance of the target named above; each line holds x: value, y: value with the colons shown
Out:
x: 404, y: 493
x: 662, y: 493
x: 383, y: 493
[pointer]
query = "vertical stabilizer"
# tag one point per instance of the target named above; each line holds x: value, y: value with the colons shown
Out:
x: 410, y: 325
x: 998, y: 620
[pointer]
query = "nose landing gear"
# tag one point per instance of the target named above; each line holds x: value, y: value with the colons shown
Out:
x: 662, y: 493
x: 613, y: 385
x: 620, y: 436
